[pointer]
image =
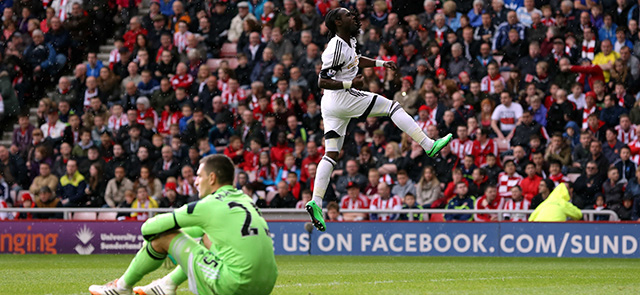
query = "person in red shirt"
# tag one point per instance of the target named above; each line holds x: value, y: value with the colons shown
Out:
x: 135, y: 29
x: 294, y: 186
x: 588, y: 73
x: 182, y: 79
x: 483, y: 146
x: 354, y: 200
x: 145, y: 111
x: 531, y: 182
x: 312, y: 157
x: 280, y: 150
x: 490, y: 200
x: 235, y: 150
x: 251, y: 156
x: 449, y: 191
x: 264, y: 108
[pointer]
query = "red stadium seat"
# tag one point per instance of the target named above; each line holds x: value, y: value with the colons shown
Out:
x: 85, y: 216
x: 229, y: 50
x: 107, y: 215
x: 214, y: 63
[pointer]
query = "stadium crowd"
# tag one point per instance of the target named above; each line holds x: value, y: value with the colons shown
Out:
x: 536, y: 93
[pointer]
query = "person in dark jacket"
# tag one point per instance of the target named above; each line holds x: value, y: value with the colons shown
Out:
x: 47, y: 200
x: 586, y: 187
x: 461, y: 201
x: 41, y: 56
x: 284, y: 198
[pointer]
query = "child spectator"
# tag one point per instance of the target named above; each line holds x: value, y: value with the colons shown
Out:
x: 626, y: 168
x: 490, y: 200
x: 492, y: 168
x: 468, y: 167
x: 171, y: 197
x: 599, y: 206
x: 555, y: 173
x: 129, y: 198
x: 461, y: 201
x: 117, y: 119
x: 508, y: 179
x: 516, y: 202
x: 306, y: 197
x: 266, y: 172
x: 409, y: 202
x: 143, y: 200
x: 27, y: 202
x: 333, y: 212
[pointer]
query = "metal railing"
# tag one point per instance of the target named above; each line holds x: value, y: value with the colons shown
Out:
x: 301, y: 214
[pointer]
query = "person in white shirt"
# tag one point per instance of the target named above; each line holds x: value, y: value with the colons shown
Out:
x: 505, y: 116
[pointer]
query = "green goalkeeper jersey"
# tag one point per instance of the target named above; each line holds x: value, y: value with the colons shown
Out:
x: 239, y: 235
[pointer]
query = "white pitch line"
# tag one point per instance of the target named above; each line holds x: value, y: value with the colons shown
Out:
x: 335, y: 283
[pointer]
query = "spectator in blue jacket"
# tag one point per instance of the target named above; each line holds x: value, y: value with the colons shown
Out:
x: 41, y: 56
x: 502, y: 33
x: 462, y: 202
x: 72, y: 186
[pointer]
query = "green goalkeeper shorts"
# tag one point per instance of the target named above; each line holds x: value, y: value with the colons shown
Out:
x: 205, y: 270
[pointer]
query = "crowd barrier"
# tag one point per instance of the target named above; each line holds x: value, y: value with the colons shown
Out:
x: 285, y: 214
x: 521, y: 239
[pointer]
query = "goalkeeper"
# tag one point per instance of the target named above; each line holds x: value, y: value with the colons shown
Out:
x: 240, y: 260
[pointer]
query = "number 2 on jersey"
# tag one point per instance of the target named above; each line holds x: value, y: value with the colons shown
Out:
x: 246, y: 229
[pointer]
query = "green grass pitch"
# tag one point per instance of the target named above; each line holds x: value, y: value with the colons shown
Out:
x: 72, y: 274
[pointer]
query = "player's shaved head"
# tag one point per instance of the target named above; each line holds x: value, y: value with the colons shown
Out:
x: 221, y: 166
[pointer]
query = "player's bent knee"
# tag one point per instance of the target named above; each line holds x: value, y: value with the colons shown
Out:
x: 162, y: 242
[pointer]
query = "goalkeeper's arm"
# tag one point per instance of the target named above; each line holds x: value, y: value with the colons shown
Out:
x: 184, y: 217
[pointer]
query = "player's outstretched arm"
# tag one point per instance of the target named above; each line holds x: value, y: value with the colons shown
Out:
x: 366, y: 62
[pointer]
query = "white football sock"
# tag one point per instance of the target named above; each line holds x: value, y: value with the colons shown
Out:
x: 323, y: 176
x: 409, y: 126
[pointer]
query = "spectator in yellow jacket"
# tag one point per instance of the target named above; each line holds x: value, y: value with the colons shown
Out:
x: 143, y: 200
x: 556, y: 208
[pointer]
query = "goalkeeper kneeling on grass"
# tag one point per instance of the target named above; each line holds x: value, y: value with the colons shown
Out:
x: 239, y: 259
x: 556, y: 208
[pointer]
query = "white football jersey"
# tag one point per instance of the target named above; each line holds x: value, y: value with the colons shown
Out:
x: 340, y: 60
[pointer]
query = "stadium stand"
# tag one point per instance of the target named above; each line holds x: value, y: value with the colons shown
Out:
x: 89, y: 86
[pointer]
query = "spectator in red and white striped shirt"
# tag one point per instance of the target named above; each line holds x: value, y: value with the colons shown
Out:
x: 516, y: 202
x: 462, y: 145
x: 508, y: 179
x: 490, y: 200
x: 354, y: 200
x: 626, y: 131
x: 182, y: 78
x: 385, y: 201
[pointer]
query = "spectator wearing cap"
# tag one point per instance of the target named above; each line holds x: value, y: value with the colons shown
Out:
x: 120, y: 68
x: 407, y: 97
x: 235, y: 29
x: 354, y: 200
x: 171, y: 197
